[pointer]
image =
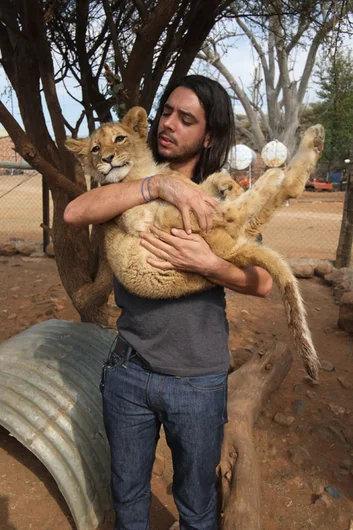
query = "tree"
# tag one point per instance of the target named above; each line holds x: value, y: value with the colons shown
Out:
x: 143, y: 40
x: 274, y: 100
x: 345, y: 243
x: 335, y: 91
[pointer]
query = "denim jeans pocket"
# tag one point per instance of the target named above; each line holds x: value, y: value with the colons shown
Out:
x: 208, y: 383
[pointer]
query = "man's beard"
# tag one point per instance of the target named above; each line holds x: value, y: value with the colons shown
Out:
x: 187, y: 154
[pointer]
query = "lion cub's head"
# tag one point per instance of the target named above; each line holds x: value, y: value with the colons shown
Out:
x: 109, y: 154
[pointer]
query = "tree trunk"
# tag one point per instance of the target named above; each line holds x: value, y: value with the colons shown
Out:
x: 83, y: 270
x: 250, y: 388
x: 344, y: 249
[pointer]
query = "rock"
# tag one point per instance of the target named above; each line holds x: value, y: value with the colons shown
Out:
x: 15, y: 288
x: 326, y: 365
x: 322, y: 269
x: 38, y: 254
x: 316, y: 485
x: 31, y: 259
x: 303, y: 271
x: 336, y: 409
x: 299, y: 455
x: 324, y: 498
x: 281, y: 419
x: 333, y: 492
x: 49, y: 250
x: 343, y: 284
x: 339, y: 433
x: 25, y: 247
x: 345, y: 382
x: 12, y: 316
x: 298, y: 407
x: 335, y: 275
x: 298, y: 389
x: 8, y: 248
x: 345, y: 319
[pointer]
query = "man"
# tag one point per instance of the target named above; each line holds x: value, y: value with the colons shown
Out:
x: 171, y: 359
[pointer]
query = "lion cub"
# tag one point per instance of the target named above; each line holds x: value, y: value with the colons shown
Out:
x: 117, y: 152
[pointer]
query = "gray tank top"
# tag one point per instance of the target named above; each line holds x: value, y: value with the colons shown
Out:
x: 184, y: 337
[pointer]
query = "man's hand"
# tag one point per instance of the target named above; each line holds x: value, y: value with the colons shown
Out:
x: 190, y: 253
x: 187, y: 198
x: 178, y: 251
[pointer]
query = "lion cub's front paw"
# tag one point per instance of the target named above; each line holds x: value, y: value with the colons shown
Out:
x: 227, y: 187
x: 314, y: 138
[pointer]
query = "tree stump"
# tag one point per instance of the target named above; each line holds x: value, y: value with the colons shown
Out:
x: 249, y: 389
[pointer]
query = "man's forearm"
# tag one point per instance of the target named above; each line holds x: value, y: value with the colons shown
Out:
x: 104, y: 203
x: 250, y: 280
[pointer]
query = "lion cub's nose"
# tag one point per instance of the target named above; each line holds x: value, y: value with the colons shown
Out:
x: 108, y: 158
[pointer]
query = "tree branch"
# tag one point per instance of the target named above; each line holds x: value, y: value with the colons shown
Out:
x: 29, y: 153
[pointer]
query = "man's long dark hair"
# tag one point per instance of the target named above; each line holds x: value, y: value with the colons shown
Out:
x: 219, y: 123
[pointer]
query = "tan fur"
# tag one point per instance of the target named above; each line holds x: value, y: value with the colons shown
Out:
x: 232, y: 237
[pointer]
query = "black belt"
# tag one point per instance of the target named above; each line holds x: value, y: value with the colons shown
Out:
x: 124, y: 349
x: 128, y: 353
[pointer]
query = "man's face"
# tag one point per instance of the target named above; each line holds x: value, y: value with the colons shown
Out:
x: 182, y: 127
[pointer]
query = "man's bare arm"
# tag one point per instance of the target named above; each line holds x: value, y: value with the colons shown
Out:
x: 191, y: 253
x: 102, y: 204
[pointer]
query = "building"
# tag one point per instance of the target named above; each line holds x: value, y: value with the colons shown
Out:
x: 7, y: 151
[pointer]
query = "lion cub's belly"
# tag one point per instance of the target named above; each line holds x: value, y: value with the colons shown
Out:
x: 127, y: 257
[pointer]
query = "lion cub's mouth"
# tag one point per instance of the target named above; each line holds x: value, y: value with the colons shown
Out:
x: 122, y: 165
x: 117, y: 173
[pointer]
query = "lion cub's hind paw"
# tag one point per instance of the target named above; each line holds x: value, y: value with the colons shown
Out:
x: 314, y: 138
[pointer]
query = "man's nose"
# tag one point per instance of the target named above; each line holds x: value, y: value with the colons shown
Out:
x: 169, y: 121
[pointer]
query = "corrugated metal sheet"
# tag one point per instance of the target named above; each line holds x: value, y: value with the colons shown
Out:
x: 50, y: 401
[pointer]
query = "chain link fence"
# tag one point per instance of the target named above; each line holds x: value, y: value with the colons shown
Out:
x: 21, y: 205
x: 305, y: 228
x: 308, y: 227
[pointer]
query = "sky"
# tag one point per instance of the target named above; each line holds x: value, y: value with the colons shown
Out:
x: 240, y: 60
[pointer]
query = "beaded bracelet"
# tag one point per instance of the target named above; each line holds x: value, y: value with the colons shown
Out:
x: 148, y: 189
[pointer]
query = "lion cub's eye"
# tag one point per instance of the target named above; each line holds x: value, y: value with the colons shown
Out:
x: 119, y: 139
x: 95, y: 149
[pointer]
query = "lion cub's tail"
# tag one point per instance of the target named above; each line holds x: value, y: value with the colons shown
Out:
x: 252, y: 254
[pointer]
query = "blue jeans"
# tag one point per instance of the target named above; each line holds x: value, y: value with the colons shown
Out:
x: 136, y: 402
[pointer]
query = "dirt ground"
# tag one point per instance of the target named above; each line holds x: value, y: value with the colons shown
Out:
x: 297, y: 462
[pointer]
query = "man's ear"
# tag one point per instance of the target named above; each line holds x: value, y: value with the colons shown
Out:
x: 208, y: 141
x: 136, y: 119
x: 80, y: 147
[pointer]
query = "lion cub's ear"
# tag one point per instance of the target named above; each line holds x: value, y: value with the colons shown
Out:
x: 79, y: 147
x: 136, y: 119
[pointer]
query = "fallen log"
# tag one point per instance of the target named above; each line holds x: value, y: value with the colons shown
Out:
x: 250, y: 387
